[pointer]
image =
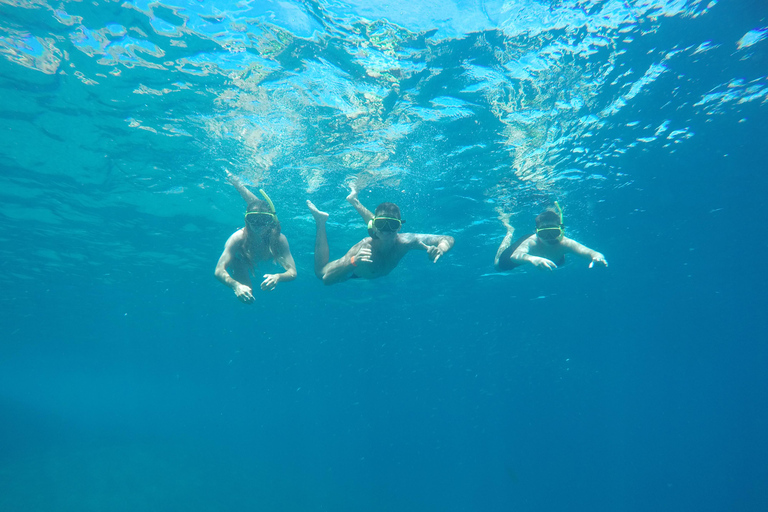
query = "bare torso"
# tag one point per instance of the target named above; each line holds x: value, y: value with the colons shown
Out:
x: 536, y: 247
x: 385, y: 256
x: 245, y: 262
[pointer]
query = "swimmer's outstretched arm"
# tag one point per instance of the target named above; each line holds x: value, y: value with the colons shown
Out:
x: 242, y: 291
x: 246, y: 194
x: 582, y: 250
x: 355, y: 202
x: 435, y: 245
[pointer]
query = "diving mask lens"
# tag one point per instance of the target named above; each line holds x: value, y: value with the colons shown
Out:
x: 387, y: 224
x: 258, y: 219
x: 550, y: 234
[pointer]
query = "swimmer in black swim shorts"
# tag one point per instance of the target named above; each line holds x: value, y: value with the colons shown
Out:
x: 378, y: 254
x: 544, y: 249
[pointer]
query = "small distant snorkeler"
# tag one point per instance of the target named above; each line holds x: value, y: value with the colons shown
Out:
x: 544, y: 249
x: 378, y: 254
x: 260, y: 240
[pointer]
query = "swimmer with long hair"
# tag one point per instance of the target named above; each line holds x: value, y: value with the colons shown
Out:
x: 258, y: 241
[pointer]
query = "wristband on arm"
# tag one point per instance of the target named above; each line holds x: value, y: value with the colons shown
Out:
x: 352, y: 261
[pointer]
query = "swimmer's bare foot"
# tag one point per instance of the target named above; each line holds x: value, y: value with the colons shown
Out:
x: 317, y: 214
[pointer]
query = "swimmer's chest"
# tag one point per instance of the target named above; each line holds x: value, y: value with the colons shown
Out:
x: 384, y: 261
x: 554, y: 253
x: 259, y: 252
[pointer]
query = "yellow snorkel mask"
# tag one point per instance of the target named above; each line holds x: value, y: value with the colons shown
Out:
x: 384, y: 224
x: 554, y: 233
x: 257, y: 219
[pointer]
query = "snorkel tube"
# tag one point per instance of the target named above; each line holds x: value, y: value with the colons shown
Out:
x: 560, y: 213
x: 272, y: 205
x: 558, y: 210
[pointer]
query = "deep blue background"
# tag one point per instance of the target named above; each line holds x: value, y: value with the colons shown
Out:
x: 635, y: 387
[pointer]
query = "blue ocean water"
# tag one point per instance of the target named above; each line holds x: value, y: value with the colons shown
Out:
x: 130, y: 379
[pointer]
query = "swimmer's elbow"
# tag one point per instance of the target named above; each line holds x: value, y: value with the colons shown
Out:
x: 329, y: 278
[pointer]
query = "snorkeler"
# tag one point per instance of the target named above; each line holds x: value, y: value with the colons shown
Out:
x: 544, y: 249
x: 260, y: 240
x: 376, y: 255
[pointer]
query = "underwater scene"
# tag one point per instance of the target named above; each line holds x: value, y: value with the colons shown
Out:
x: 366, y: 255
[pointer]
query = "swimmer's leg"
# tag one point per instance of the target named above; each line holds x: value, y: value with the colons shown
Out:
x: 504, y: 218
x: 322, y: 253
x: 246, y: 194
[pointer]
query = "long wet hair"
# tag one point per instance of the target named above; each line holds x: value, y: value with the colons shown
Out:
x: 268, y: 237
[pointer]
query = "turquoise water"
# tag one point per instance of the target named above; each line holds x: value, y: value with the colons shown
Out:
x: 130, y: 379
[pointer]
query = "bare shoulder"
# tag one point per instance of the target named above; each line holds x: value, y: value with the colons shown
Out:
x: 236, y: 238
x: 232, y: 247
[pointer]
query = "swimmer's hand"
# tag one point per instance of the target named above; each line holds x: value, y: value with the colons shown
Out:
x: 363, y: 254
x: 544, y: 263
x: 244, y: 293
x: 598, y: 258
x: 270, y: 281
x: 433, y: 251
